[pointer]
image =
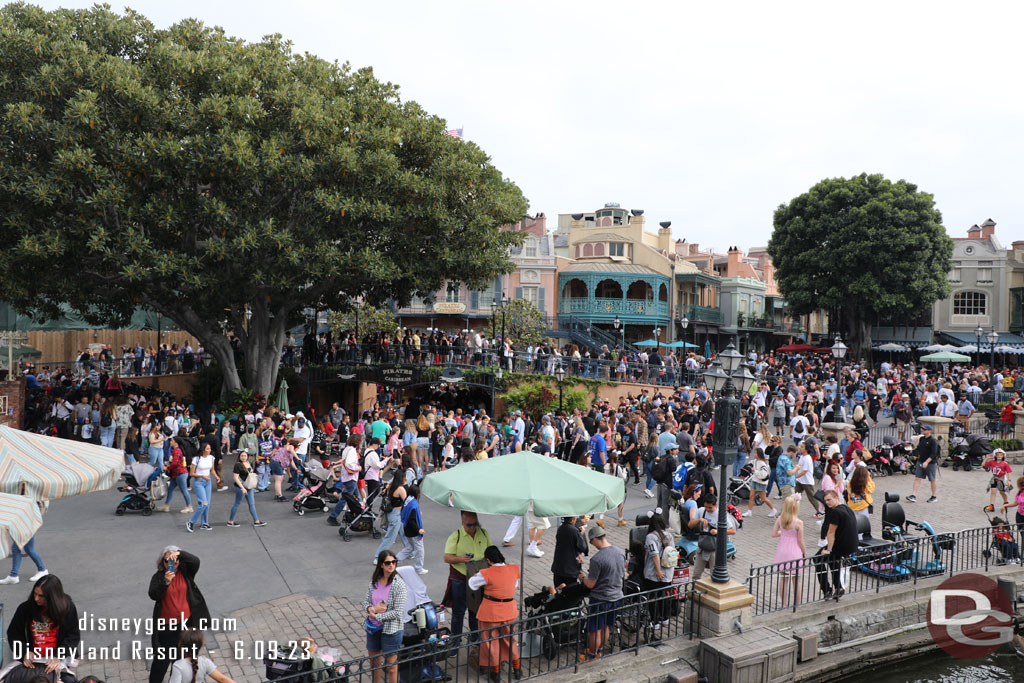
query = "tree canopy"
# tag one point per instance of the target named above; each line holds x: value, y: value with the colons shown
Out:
x: 524, y: 323
x: 861, y: 248
x: 206, y: 178
x: 362, y: 319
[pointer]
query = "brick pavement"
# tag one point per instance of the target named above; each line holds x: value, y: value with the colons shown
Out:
x: 335, y: 620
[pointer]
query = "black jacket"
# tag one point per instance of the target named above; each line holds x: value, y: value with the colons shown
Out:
x: 19, y: 630
x: 188, y: 565
x: 569, y: 543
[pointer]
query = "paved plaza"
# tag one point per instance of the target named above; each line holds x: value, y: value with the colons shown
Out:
x: 297, y: 577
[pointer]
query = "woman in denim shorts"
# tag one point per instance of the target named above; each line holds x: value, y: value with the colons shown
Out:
x: 383, y: 606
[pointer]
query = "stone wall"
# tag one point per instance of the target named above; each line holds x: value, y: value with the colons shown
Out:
x: 12, y: 402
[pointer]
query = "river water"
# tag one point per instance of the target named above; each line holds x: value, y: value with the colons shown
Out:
x: 1002, y: 667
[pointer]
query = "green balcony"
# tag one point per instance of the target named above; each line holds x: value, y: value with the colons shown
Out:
x: 704, y: 314
x: 598, y: 307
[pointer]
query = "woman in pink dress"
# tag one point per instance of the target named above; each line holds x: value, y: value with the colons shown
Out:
x: 789, y: 529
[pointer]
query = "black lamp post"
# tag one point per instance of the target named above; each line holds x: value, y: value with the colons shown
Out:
x: 684, y: 322
x: 728, y: 413
x: 993, y: 339
x: 977, y: 346
x: 560, y: 376
x: 617, y: 324
x: 838, y: 352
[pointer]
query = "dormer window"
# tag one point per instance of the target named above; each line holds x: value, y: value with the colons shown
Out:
x: 530, y: 248
x: 616, y: 249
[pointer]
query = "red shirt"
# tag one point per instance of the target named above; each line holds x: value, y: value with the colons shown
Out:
x: 44, y: 635
x: 175, y: 602
x: 1000, y: 468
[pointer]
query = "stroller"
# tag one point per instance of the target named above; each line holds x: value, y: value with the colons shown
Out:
x: 1007, y: 550
x: 357, y: 518
x: 317, y: 481
x: 968, y: 452
x: 424, y: 629
x: 740, y: 488
x: 558, y: 617
x: 136, y: 494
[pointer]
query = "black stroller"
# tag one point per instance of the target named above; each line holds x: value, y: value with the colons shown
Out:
x: 969, y: 451
x: 558, y: 617
x: 358, y: 518
x: 136, y: 496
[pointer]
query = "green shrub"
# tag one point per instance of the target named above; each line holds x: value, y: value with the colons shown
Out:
x: 1007, y: 444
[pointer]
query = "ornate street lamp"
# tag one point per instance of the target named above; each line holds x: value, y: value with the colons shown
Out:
x: 684, y: 322
x: 560, y: 376
x: 838, y: 352
x: 728, y: 413
x: 618, y: 324
x: 993, y: 339
x: 977, y: 346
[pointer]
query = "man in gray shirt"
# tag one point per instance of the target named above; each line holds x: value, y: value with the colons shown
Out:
x: 607, y: 572
x: 685, y: 441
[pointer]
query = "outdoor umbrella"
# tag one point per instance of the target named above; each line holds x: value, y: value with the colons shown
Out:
x: 511, y: 484
x: 939, y: 347
x: 20, y: 518
x: 45, y: 467
x: 892, y: 347
x: 281, y: 400
x: 1003, y: 348
x: 647, y: 342
x: 945, y: 357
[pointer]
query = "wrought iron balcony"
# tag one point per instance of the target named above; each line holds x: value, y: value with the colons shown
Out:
x: 590, y: 307
x: 703, y: 314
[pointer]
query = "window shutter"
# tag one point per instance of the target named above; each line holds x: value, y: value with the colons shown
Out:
x: 519, y: 292
x: 474, y: 299
x: 541, y: 300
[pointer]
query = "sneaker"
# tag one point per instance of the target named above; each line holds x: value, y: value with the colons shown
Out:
x: 280, y: 499
x: 233, y: 524
x: 648, y: 493
x: 259, y: 523
x: 223, y: 488
x: 623, y: 522
x: 990, y: 508
x: 163, y: 508
x: 189, y: 527
x: 911, y: 498
x: 932, y: 499
x: 534, y: 552
x: 748, y: 513
x: 600, y: 523
x: 423, y: 571
x: 332, y: 521
x: 8, y: 580
x: 818, y: 515
x: 187, y: 511
x: 206, y: 527
x: 773, y: 513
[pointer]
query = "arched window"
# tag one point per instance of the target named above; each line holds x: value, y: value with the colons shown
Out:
x: 588, y: 249
x: 608, y: 289
x: 970, y: 303
x: 663, y: 293
x: 640, y: 291
x: 599, y: 249
x: 577, y: 251
x: 574, y: 289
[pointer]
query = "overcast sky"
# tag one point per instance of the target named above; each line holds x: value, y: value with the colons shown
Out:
x: 706, y: 114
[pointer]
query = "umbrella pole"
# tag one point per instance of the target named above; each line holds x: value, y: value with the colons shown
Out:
x: 522, y: 563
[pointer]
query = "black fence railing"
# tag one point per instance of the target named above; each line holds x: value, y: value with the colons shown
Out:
x: 887, y: 427
x: 787, y: 585
x: 538, y: 644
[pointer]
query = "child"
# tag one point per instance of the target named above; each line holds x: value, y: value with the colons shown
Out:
x: 1004, y: 539
x: 87, y: 430
x: 1000, y: 478
x: 789, y: 529
x: 193, y: 667
x: 448, y: 453
x: 412, y: 524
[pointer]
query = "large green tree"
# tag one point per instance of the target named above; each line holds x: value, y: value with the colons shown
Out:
x: 210, y: 178
x: 861, y: 248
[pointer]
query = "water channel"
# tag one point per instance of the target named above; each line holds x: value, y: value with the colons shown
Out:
x: 938, y: 667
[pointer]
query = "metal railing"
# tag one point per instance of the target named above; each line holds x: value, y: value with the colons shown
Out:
x: 787, y: 585
x: 704, y: 314
x: 978, y: 424
x: 539, y: 643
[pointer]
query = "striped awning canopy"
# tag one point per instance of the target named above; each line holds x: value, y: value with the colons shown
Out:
x: 20, y: 518
x: 45, y: 467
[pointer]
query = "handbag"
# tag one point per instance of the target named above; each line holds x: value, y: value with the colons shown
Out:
x: 251, y: 481
x: 158, y: 489
x: 371, y: 628
x: 706, y: 542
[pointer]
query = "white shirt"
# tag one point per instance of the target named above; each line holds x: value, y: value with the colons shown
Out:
x: 304, y: 433
x: 801, y: 420
x: 478, y: 580
x: 807, y: 465
x: 946, y: 409
x: 203, y: 465
x: 948, y: 393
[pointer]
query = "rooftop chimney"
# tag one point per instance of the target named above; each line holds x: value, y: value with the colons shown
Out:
x: 974, y: 232
x: 988, y: 228
x: 733, y: 266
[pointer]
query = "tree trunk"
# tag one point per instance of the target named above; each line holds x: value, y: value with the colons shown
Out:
x: 263, y: 343
x: 220, y: 348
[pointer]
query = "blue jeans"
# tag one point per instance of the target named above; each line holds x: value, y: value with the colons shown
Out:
x: 647, y: 471
x: 203, y: 488
x: 107, y: 435
x: 394, y: 526
x: 179, y: 482
x: 771, y: 482
x: 30, y: 550
x: 241, y: 493
x: 263, y: 470
x: 738, y: 463
x: 350, y: 487
x: 459, y: 609
x: 297, y: 476
x: 156, y: 457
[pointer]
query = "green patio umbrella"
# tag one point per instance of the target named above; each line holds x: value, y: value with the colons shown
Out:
x: 281, y: 400
x: 946, y: 357
x: 511, y: 484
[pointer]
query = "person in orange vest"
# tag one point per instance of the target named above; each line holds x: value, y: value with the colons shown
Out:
x: 498, y: 610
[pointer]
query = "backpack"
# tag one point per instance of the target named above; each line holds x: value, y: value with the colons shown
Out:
x: 679, y: 477
x: 670, y: 557
x: 659, y: 469
x: 105, y: 421
x: 799, y: 427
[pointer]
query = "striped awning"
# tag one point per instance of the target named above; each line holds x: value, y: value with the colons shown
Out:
x: 45, y: 467
x: 20, y: 518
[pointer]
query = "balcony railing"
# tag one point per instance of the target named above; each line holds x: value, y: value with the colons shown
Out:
x: 613, y: 307
x: 704, y: 314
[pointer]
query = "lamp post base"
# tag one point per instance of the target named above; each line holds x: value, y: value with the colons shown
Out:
x: 725, y: 603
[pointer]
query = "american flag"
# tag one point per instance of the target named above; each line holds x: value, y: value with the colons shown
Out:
x: 454, y: 133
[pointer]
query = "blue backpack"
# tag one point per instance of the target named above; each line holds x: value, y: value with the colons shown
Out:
x: 679, y: 477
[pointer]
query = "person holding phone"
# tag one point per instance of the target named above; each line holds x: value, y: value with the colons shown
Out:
x: 384, y: 606
x: 465, y: 544
x: 177, y: 601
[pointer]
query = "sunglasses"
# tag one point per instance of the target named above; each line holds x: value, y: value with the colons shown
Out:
x: 471, y: 525
x: 387, y: 563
